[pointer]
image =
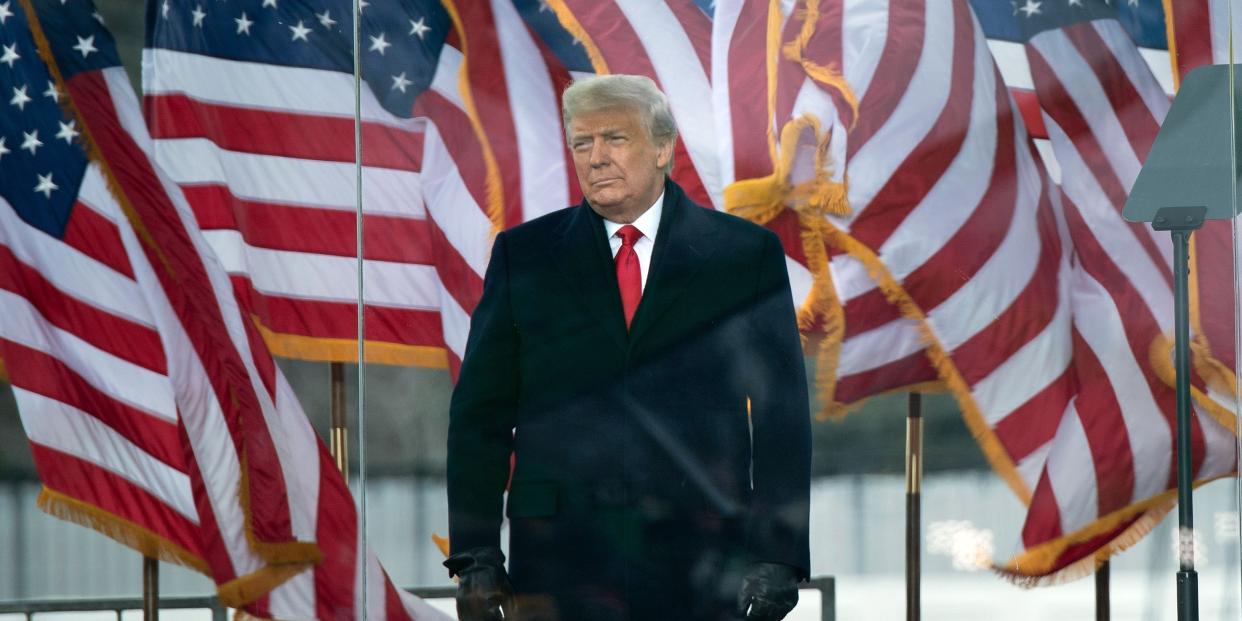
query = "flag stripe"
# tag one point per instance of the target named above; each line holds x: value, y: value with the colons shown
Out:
x: 197, y: 161
x: 907, y: 37
x: 120, y: 337
x: 1100, y: 416
x: 1032, y: 425
x: 285, y: 134
x: 48, y: 376
x: 910, y: 183
x: 340, y: 319
x: 136, y: 385
x: 84, y: 481
x: 1071, y: 123
x: 309, y: 275
x: 97, y: 237
x: 322, y: 231
x: 243, y: 84
x: 1137, y: 122
x: 69, y: 430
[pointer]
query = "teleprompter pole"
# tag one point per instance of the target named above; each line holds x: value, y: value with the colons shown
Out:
x: 1181, y: 222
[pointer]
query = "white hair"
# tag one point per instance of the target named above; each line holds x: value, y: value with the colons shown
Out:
x: 631, y: 92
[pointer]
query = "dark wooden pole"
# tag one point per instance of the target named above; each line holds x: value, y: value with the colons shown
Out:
x: 914, y: 484
x: 1101, y: 593
x: 150, y: 589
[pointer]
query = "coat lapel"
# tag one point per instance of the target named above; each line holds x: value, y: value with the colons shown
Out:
x: 585, y: 260
x: 683, y: 245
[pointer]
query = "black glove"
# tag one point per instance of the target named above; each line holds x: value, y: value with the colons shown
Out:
x: 769, y: 591
x: 484, y: 592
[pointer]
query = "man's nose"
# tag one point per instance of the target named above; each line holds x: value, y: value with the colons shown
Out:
x: 599, y: 154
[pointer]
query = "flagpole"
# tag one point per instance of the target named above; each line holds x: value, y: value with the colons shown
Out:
x: 339, y: 439
x: 150, y: 589
x: 1102, y: 612
x: 914, y: 484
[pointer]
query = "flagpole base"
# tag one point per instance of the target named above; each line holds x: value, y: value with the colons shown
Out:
x: 1187, y: 595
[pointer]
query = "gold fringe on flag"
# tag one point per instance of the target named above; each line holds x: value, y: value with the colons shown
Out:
x: 1034, y: 567
x: 1160, y: 357
x: 827, y: 76
x: 119, y: 529
x: 320, y: 349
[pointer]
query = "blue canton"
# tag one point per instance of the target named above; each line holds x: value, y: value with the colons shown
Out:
x: 42, y: 158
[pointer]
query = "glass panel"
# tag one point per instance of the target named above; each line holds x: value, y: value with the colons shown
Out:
x: 419, y: 260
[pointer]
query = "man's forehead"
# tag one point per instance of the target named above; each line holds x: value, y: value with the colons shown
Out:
x: 605, y: 120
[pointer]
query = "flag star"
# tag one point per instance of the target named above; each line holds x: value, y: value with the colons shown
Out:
x: 378, y: 44
x: 543, y: 6
x: 419, y: 27
x: 362, y: 4
x: 3, y: 149
x: 20, y: 98
x: 67, y: 131
x: 31, y: 142
x: 164, y: 9
x: 10, y: 55
x: 399, y: 82
x: 325, y: 19
x: 52, y: 91
x: 243, y: 23
x: 86, y: 46
x: 99, y: 18
x: 1133, y: 2
x: 1075, y: 2
x: 1031, y: 8
x: 267, y: 3
x: 300, y: 31
x: 46, y: 186
x: 198, y: 14
x: 5, y: 12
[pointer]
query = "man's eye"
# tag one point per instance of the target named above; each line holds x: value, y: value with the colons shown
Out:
x: 617, y: 139
x: 581, y: 145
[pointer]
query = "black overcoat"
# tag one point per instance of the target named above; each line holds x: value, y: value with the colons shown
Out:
x: 640, y: 482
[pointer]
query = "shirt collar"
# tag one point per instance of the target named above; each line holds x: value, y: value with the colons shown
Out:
x: 647, y: 224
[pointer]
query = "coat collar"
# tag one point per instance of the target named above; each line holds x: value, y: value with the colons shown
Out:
x: 684, y: 243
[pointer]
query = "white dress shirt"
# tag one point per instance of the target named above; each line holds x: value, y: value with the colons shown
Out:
x: 647, y: 224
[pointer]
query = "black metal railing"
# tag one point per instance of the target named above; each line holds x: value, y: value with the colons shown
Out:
x: 825, y: 585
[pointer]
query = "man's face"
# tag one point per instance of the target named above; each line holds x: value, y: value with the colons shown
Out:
x: 620, y: 168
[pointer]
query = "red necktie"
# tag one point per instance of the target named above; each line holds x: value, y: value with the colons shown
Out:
x: 629, y: 272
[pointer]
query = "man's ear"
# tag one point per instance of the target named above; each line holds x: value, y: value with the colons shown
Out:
x: 664, y: 153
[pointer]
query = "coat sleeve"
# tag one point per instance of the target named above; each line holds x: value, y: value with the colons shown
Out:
x: 777, y: 524
x: 482, y: 414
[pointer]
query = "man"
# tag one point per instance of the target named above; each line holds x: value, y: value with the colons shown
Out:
x: 639, y: 358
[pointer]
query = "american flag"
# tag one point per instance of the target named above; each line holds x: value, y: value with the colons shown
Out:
x: 930, y: 232
x: 909, y: 283
x: 1102, y: 108
x: 155, y: 412
x: 251, y: 107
